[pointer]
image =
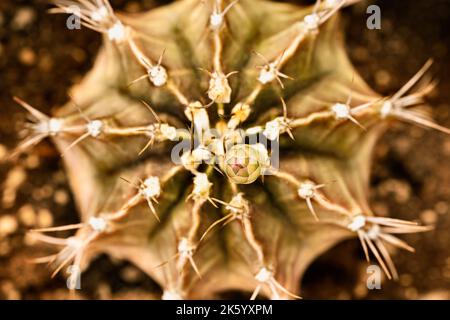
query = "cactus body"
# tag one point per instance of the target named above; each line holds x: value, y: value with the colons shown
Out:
x: 214, y: 221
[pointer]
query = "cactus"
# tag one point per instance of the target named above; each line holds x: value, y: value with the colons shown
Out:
x: 223, y: 217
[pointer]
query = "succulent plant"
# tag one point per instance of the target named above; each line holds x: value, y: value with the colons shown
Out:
x: 157, y: 144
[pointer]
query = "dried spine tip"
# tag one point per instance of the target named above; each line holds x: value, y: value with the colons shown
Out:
x: 168, y: 132
x: 151, y: 188
x: 40, y: 127
x: 51, y: 127
x: 238, y: 206
x: 397, y: 105
x: 185, y: 247
x: 266, y: 277
x: 171, y: 295
x: 312, y: 22
x: 215, y: 20
x: 219, y: 90
x: 42, y: 124
x: 201, y: 154
x: 117, y: 32
x: 73, y: 247
x: 308, y: 190
x: 157, y: 131
x: 189, y: 162
x: 270, y: 72
x: 186, y: 251
x: 98, y: 224
x: 373, y: 232
x: 196, y: 113
x: 74, y: 242
x: 239, y: 114
x: 94, y: 128
x: 357, y: 223
x: 202, y: 187
x: 97, y: 15
x: 158, y: 75
x: 341, y: 111
x: 100, y: 14
x: 275, y: 127
x: 217, y: 16
x: 267, y: 74
x: 330, y: 4
x: 254, y: 130
x: 386, y: 109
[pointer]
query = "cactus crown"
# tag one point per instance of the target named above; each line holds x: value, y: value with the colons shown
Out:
x: 223, y: 216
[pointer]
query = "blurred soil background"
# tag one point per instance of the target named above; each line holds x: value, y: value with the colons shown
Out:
x: 40, y: 59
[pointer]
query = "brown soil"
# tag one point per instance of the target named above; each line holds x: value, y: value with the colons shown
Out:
x: 40, y: 60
